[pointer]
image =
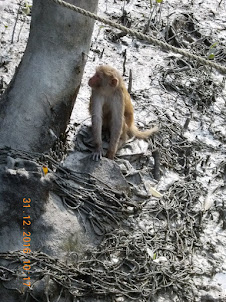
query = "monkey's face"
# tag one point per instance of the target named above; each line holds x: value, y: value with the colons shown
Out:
x: 95, y: 81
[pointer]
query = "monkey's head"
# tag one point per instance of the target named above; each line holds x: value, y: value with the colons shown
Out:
x: 105, y: 79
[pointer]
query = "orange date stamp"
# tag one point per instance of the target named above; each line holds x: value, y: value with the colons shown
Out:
x: 26, y: 240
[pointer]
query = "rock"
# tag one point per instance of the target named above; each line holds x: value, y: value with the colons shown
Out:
x: 105, y: 171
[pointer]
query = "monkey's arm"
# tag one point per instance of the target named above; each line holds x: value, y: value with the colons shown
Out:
x: 96, y: 107
x: 116, y: 127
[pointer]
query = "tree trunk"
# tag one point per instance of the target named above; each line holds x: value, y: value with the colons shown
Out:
x: 34, y: 111
x: 36, y: 107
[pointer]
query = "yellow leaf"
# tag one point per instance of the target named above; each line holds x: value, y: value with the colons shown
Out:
x: 154, y: 192
x: 45, y: 169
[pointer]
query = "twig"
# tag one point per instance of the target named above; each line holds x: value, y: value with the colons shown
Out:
x: 17, y: 16
x: 130, y: 81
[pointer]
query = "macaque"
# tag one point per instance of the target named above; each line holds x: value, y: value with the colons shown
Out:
x: 111, y: 109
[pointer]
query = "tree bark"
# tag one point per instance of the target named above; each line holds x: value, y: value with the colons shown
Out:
x: 34, y: 111
x: 36, y: 107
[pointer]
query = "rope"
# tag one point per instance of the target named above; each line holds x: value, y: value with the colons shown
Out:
x: 141, y: 36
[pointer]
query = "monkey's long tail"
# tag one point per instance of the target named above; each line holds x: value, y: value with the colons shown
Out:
x: 134, y: 131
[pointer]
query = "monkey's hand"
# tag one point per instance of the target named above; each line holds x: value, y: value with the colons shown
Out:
x: 97, y: 154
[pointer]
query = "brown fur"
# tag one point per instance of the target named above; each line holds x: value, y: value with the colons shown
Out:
x: 111, y: 109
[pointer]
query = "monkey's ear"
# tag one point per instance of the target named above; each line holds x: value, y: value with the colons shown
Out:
x: 114, y: 82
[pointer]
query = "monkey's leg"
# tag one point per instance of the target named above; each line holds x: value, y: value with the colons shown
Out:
x: 124, y: 137
x: 96, y: 112
x: 115, y: 132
